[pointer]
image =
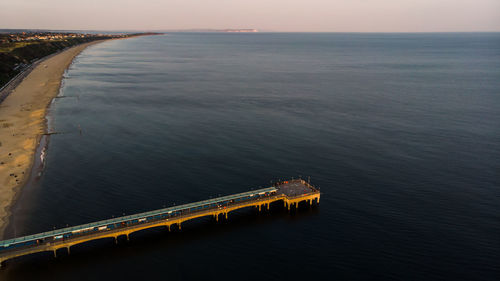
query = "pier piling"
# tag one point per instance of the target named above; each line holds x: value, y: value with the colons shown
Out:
x: 290, y: 192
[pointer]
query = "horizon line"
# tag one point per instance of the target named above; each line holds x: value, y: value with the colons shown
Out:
x: 208, y: 30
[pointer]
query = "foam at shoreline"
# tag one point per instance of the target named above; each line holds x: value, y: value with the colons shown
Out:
x: 22, y: 123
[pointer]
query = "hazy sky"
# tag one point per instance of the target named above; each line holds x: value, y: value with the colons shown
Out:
x: 273, y: 15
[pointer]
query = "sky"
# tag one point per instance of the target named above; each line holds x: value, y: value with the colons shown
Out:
x: 265, y: 15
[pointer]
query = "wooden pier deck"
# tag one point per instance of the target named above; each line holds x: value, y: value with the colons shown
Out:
x: 290, y: 192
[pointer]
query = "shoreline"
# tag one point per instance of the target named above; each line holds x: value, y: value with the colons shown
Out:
x: 23, y: 123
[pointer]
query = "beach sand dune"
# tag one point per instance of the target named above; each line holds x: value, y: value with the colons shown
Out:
x: 22, y: 123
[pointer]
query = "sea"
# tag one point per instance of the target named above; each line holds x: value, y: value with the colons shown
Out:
x: 400, y: 132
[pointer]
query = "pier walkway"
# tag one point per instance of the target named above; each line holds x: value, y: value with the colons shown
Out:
x: 290, y: 192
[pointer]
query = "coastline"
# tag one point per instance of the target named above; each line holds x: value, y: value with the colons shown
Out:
x: 23, y: 123
x: 14, y: 82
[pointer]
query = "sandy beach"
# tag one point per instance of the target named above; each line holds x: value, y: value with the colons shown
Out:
x: 22, y: 123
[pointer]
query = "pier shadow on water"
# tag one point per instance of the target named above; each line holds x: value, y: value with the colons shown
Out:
x: 400, y: 131
x: 165, y: 245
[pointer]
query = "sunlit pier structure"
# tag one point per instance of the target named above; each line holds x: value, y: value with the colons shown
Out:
x: 290, y: 192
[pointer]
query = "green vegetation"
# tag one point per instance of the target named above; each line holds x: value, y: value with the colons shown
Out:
x: 19, y: 50
x: 15, y: 56
x: 8, y: 47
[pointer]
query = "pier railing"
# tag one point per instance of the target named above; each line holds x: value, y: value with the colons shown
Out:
x: 113, y: 228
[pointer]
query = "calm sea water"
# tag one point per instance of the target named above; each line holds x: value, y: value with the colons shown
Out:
x: 400, y: 132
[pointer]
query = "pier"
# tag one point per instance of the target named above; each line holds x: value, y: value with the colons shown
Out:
x: 291, y: 193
